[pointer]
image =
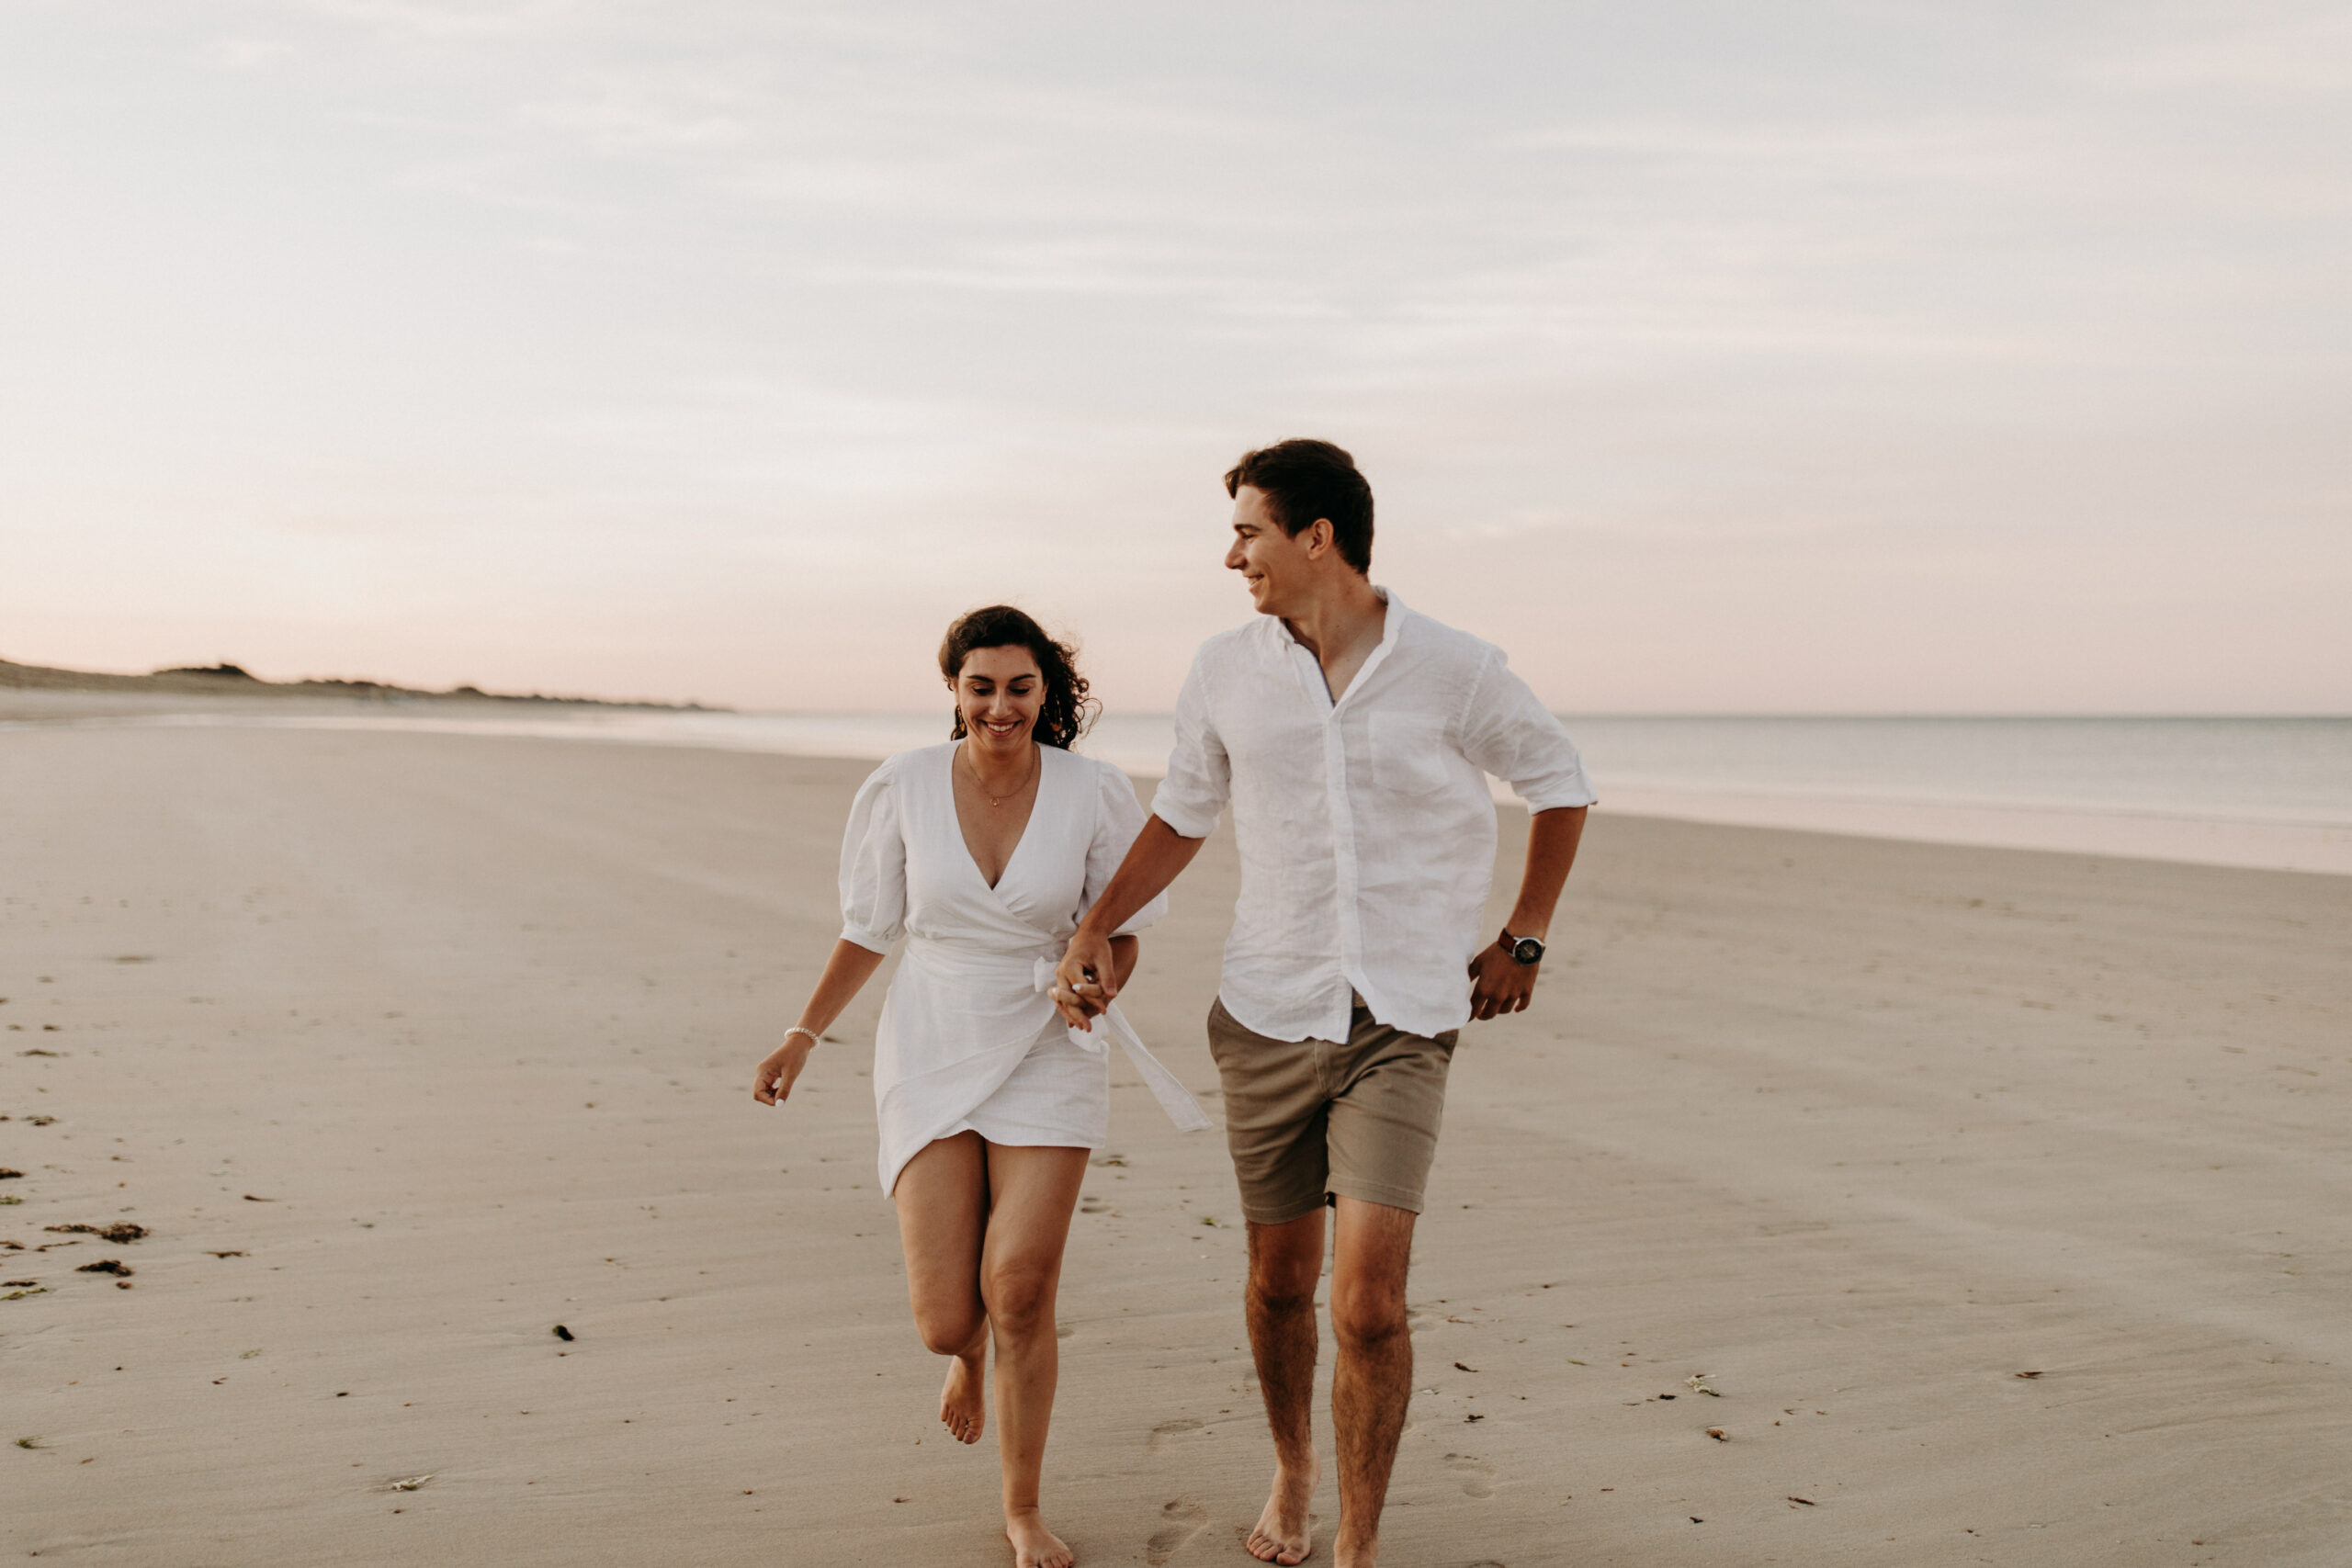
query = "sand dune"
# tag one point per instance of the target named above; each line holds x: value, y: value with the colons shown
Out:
x: 407, y: 1049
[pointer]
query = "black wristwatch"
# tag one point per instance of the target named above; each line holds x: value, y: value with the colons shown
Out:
x: 1524, y: 949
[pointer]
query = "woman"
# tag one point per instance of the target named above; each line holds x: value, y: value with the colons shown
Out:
x: 984, y: 852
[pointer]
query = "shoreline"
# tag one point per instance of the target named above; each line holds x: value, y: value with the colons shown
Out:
x: 2246, y: 841
x: 2312, y: 849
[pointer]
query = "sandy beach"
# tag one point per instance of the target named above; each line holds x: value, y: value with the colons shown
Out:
x: 2002, y: 1200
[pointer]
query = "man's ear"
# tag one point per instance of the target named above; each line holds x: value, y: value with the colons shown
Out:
x: 1319, y: 536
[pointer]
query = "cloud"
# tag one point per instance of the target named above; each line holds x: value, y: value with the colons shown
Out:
x: 2260, y: 50
x: 660, y: 316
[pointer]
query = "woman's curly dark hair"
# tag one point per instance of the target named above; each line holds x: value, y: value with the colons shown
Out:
x: 1068, y: 710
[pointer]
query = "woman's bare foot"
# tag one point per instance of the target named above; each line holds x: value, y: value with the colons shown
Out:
x: 963, y: 1403
x: 1282, y: 1534
x: 1034, y: 1546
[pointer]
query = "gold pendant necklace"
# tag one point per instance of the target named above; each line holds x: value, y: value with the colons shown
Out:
x: 1036, y: 761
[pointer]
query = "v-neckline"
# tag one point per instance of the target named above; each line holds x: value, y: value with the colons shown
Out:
x: 1027, y: 822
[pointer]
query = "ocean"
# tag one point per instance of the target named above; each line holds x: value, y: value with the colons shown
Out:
x: 2259, y: 792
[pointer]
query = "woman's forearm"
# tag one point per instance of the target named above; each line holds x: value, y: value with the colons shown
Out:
x: 845, y: 974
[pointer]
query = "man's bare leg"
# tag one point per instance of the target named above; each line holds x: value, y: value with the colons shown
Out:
x: 1286, y: 1265
x: 1033, y: 1192
x: 942, y: 1202
x: 1373, y: 1381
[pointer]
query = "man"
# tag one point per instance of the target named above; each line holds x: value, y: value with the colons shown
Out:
x: 1352, y: 738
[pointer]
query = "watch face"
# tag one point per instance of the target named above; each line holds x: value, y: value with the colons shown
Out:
x: 1527, y: 950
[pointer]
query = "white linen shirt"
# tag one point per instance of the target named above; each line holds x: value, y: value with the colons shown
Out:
x: 1366, y: 830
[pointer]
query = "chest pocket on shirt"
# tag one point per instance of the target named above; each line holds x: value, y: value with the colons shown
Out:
x: 1409, y: 752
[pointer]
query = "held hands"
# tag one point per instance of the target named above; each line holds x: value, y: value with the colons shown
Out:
x: 1085, y: 981
x: 772, y: 1084
x: 1499, y: 983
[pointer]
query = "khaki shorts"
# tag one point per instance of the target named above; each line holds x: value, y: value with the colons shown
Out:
x: 1311, y: 1120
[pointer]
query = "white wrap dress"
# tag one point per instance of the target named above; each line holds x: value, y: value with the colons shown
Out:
x: 969, y: 1038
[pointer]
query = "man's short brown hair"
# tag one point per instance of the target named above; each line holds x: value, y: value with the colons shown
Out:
x: 1307, y: 480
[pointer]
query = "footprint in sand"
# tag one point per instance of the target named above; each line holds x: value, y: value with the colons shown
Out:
x: 1477, y: 1475
x: 1184, y: 1519
x: 1167, y: 1429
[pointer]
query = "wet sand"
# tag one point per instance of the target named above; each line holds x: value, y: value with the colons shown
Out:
x: 444, y: 1042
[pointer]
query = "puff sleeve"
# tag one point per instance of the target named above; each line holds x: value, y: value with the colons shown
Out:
x: 874, y: 864
x: 1118, y: 818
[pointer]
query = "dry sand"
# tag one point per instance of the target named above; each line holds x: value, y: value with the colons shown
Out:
x: 446, y: 1041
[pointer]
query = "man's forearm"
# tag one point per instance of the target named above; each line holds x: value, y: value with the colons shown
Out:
x: 1154, y: 860
x: 1551, y: 838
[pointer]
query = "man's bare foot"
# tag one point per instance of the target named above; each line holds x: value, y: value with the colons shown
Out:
x: 1282, y: 1534
x: 963, y: 1403
x: 1034, y: 1546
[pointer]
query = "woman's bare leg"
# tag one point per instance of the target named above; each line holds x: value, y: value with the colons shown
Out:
x: 942, y: 1200
x: 1032, y: 1193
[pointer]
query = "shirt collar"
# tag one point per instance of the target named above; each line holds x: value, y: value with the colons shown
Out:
x: 1391, y: 624
x: 1387, y: 625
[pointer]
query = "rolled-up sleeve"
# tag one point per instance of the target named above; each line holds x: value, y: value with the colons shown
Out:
x: 1118, y: 818
x: 1510, y: 734
x: 874, y: 865
x: 1200, y: 776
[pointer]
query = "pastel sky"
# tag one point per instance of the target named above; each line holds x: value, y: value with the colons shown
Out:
x: 1828, y: 358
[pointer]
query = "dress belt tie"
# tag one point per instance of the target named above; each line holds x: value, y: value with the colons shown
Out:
x: 1112, y: 1024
